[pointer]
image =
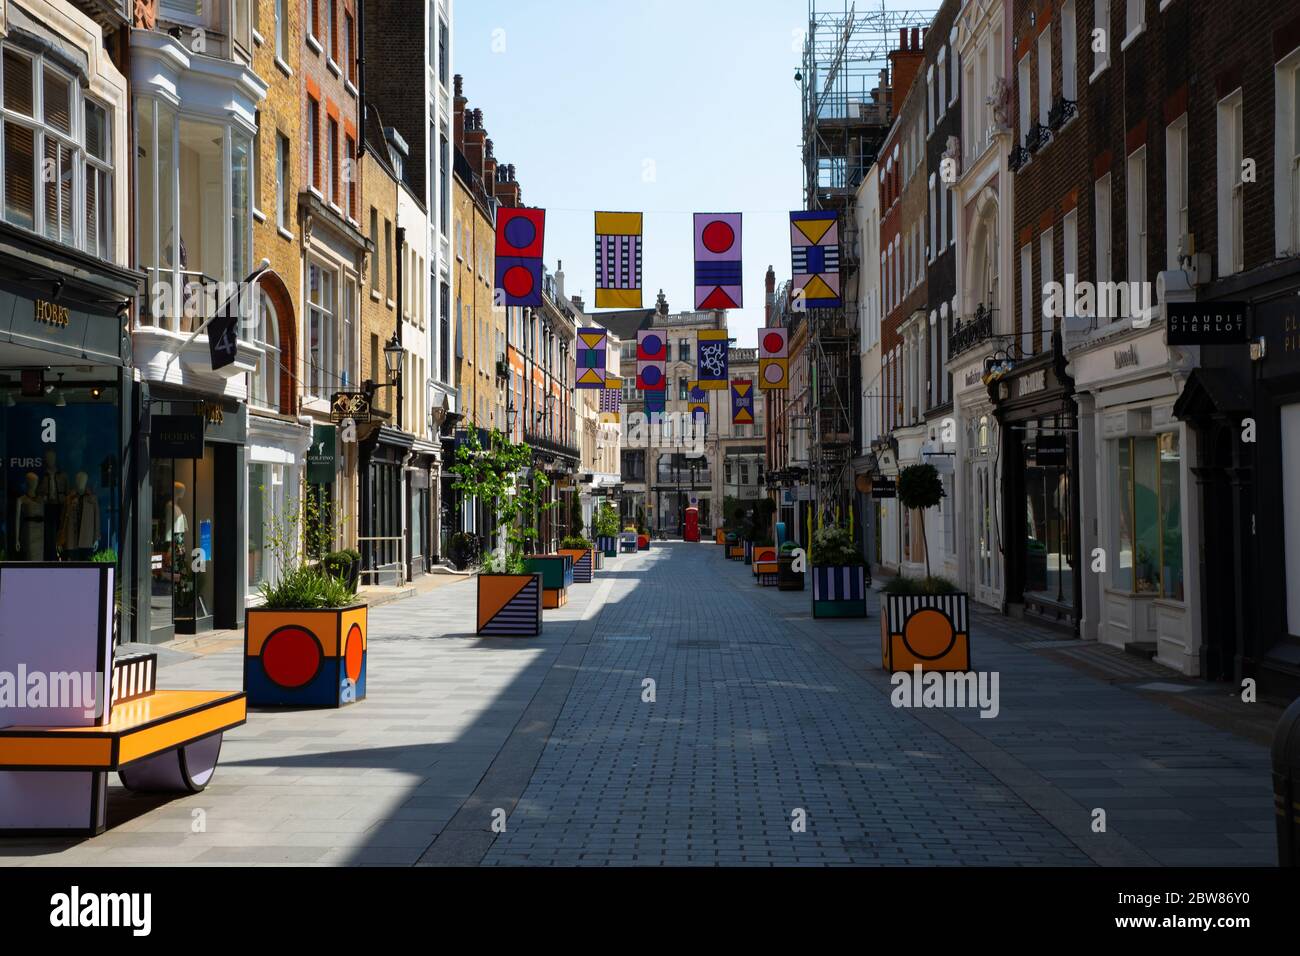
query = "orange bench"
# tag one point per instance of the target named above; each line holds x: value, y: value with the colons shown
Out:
x: 56, y: 753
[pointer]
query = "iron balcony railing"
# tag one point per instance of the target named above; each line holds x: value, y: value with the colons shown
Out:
x: 971, y: 333
x: 1062, y: 112
x: 1037, y: 137
x: 1019, y: 156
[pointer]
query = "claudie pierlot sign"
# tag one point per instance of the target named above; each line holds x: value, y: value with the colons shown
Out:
x: 1206, y: 323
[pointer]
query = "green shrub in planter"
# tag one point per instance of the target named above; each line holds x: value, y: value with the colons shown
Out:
x: 915, y: 586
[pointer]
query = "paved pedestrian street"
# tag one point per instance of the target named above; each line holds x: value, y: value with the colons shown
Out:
x: 766, y: 738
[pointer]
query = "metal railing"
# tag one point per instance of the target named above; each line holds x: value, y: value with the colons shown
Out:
x: 375, y: 555
x: 967, y: 335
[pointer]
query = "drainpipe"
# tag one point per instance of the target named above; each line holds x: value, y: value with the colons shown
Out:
x: 361, y: 83
x: 401, y: 382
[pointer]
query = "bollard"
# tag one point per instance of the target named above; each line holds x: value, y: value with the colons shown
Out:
x: 1286, y: 785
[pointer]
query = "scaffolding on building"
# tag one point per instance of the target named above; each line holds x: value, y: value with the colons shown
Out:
x: 847, y: 113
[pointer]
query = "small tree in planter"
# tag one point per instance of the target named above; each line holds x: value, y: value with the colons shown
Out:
x: 509, y: 596
x: 307, y: 644
x: 606, y: 526
x: 919, y: 488
x: 839, y: 575
x: 923, y: 624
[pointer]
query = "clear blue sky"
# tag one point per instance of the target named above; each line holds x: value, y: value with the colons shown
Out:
x: 586, y: 92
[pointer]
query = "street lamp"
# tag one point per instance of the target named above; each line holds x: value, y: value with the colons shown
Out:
x: 393, y: 356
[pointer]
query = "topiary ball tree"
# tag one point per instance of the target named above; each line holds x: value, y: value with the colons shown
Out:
x: 919, y: 488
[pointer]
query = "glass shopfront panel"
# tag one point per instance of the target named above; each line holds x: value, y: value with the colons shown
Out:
x: 183, y: 553
x: 1147, y: 527
x: 1049, y: 533
x: 60, y: 481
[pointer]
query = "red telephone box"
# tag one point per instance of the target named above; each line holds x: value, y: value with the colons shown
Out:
x: 692, y: 531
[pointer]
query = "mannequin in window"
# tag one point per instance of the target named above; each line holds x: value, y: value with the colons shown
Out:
x: 79, y: 533
x: 29, y: 522
x: 52, y: 490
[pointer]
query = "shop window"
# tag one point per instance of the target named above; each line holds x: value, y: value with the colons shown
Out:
x: 267, y: 502
x: 1148, y: 510
x: 1290, y: 422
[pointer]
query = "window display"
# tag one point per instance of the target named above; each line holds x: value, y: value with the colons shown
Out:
x: 47, y: 515
x: 1148, y: 516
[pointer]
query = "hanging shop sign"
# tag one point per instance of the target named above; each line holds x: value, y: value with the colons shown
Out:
x: 176, y: 436
x: 353, y: 405
x: 882, y: 487
x: 1051, y: 451
x: 223, y: 339
x: 1206, y: 323
x: 322, y: 455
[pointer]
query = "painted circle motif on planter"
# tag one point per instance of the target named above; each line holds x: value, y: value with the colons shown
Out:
x: 929, y: 634
x: 354, y: 654
x: 292, y: 656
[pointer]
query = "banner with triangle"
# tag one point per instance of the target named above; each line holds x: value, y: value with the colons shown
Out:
x: 591, y: 358
x: 815, y: 258
x: 717, y: 261
x: 742, y: 401
x: 773, y: 358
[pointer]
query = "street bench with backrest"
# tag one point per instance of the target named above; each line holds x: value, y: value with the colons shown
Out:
x: 71, y: 714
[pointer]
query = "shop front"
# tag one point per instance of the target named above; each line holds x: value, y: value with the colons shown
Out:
x: 979, y: 539
x: 422, y: 486
x: 66, y: 397
x: 1242, y: 405
x: 1034, y: 406
x: 381, y: 523
x: 281, y: 454
x: 1135, y: 478
x: 195, y: 487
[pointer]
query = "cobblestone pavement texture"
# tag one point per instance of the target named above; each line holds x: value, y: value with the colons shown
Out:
x: 761, y: 717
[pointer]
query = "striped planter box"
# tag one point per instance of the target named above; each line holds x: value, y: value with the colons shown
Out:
x: 749, y: 552
x: 931, y: 631
x: 582, y: 559
x: 597, y: 558
x: 627, y: 542
x: 839, y: 591
x: 557, y: 577
x: 608, y: 545
x: 510, y: 605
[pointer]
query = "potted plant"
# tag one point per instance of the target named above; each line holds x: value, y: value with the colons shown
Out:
x: 924, y: 623
x: 306, y: 644
x: 606, y: 527
x: 839, y: 574
x: 509, y: 594
x: 788, y: 577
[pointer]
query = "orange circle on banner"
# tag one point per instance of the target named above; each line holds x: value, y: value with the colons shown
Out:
x: 928, y: 634
x: 353, y: 654
x: 291, y: 656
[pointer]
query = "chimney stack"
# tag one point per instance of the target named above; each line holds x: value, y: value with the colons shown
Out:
x: 458, y: 103
x: 474, y: 138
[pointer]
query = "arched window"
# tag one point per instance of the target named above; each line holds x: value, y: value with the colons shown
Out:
x: 264, y: 383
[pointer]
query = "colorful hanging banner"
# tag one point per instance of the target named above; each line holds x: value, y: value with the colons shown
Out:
x: 656, y: 402
x: 717, y: 261
x: 591, y: 358
x: 773, y: 358
x: 611, y: 400
x: 618, y: 260
x: 742, y: 401
x: 520, y: 234
x: 697, y: 401
x: 651, y: 361
x: 815, y: 258
x: 712, y: 352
